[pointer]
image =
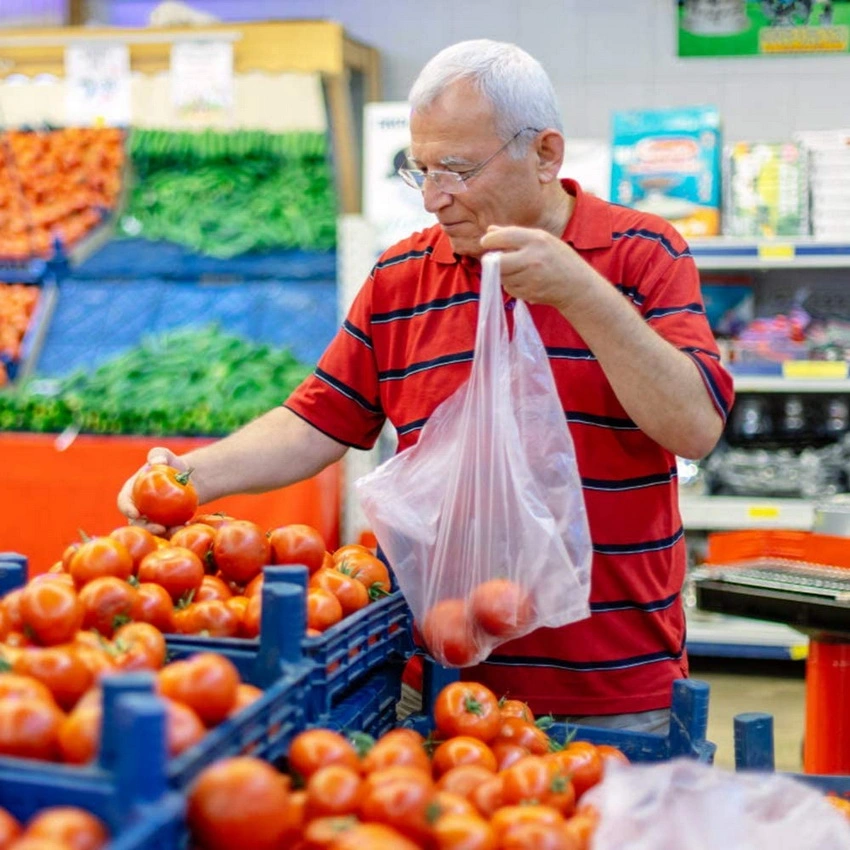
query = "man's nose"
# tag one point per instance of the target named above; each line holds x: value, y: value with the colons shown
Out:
x: 433, y: 197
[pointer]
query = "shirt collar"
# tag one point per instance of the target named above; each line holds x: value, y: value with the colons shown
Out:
x: 589, y: 227
x: 590, y: 224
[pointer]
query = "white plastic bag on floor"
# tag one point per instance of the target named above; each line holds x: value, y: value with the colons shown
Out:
x: 686, y: 805
x: 483, y: 520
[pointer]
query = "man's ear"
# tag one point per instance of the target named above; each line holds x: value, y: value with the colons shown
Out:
x: 550, y: 155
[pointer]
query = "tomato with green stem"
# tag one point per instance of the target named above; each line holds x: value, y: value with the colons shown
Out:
x: 165, y: 496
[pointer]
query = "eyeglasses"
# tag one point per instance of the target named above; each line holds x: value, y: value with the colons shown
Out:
x: 453, y: 181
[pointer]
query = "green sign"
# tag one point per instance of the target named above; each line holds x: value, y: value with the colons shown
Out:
x: 763, y: 27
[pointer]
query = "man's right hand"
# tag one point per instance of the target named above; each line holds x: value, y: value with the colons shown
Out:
x: 125, y: 496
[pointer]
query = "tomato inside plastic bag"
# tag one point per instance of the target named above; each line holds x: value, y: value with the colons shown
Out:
x: 483, y: 520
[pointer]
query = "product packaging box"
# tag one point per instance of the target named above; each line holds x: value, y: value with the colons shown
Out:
x: 667, y: 162
x: 765, y: 190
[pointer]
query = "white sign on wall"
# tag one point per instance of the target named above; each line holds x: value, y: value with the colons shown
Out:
x: 392, y: 208
x: 201, y: 77
x: 97, y: 84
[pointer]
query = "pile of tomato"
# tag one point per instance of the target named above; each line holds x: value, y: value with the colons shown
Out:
x: 53, y: 828
x: 488, y: 778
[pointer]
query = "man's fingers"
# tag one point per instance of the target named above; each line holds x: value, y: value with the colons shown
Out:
x: 505, y: 238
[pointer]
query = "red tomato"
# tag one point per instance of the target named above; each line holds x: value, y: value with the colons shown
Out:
x: 367, y: 569
x: 155, y: 606
x: 467, y: 708
x: 101, y: 556
x: 237, y: 802
x: 462, y: 750
x: 165, y: 496
x: 507, y: 752
x: 206, y: 682
x: 212, y: 618
x: 527, y: 735
x: 140, y: 646
x: 199, y: 538
x: 215, y: 520
x: 502, y: 608
x: 463, y: 779
x: 317, y: 748
x: 60, y: 668
x: 581, y: 761
x: 137, y: 540
x: 108, y: 603
x: 375, y: 836
x: 508, y: 818
x: 539, y: 836
x: 448, y: 633
x: 323, y: 609
x: 297, y: 544
x: 241, y: 550
x: 464, y: 832
x: 178, y: 570
x: 252, y: 613
x: 79, y: 734
x: 516, y: 708
x: 536, y: 779
x: 212, y: 587
x: 397, y: 747
x: 245, y: 695
x: 29, y: 728
x: 333, y: 790
x: 606, y: 751
x: 352, y: 595
x: 15, y: 685
x: 403, y: 800
x: 69, y: 825
x: 183, y: 727
x: 51, y: 612
x: 12, y: 606
x: 487, y: 797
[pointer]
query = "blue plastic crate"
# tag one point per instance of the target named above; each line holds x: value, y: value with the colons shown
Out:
x: 372, y: 706
x: 754, y: 751
x: 130, y: 794
x: 339, y: 658
x: 686, y: 737
x: 275, y: 664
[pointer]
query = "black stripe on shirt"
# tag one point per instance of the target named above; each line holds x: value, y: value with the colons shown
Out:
x: 631, y: 292
x: 619, y: 484
x: 328, y: 433
x: 357, y: 334
x: 578, y: 418
x: 583, y: 666
x: 694, y: 308
x: 403, y: 258
x: 713, y: 388
x: 347, y: 391
x: 639, y: 547
x: 409, y: 427
x: 427, y: 307
x: 631, y: 605
x: 425, y: 365
x: 570, y: 353
x: 660, y: 238
x: 692, y: 349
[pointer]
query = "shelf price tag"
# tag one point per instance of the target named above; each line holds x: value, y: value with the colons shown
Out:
x: 97, y: 84
x: 814, y: 369
x: 762, y: 512
x: 773, y: 252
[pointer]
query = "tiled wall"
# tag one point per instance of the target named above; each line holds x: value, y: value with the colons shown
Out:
x: 602, y: 55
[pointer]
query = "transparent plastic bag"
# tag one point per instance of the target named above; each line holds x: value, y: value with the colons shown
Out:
x: 685, y: 805
x: 483, y: 520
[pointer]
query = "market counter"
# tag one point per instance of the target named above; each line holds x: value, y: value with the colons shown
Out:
x: 47, y: 496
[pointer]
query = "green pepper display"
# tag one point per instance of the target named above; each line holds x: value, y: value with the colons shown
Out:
x: 224, y: 194
x: 187, y: 382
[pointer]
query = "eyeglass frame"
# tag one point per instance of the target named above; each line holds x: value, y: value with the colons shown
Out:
x: 415, y: 177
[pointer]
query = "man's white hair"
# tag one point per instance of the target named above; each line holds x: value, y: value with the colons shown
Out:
x: 514, y: 82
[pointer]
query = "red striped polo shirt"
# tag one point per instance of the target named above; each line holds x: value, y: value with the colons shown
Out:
x: 407, y: 344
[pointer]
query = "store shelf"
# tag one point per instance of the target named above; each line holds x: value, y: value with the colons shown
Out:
x: 794, y: 252
x: 778, y: 384
x: 724, y: 636
x: 727, y: 513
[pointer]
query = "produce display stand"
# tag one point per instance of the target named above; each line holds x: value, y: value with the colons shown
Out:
x: 48, y: 495
x: 320, y: 47
x: 801, y: 579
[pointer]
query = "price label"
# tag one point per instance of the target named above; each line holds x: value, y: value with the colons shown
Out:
x: 97, y: 84
x: 776, y: 252
x: 763, y: 512
x: 814, y: 369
